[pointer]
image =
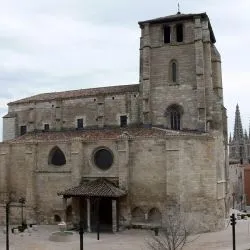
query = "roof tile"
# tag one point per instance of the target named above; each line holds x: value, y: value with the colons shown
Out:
x: 97, y: 188
x: 79, y: 93
x: 101, y: 134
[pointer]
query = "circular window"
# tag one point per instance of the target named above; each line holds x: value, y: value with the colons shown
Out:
x: 103, y: 159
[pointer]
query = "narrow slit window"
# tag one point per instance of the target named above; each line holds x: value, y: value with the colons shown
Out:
x: 174, y: 72
x: 123, y: 121
x: 79, y: 123
x: 167, y: 34
x: 23, y: 130
x: 46, y: 127
x: 179, y: 32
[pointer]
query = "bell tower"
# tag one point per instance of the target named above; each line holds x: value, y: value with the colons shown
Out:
x: 180, y: 74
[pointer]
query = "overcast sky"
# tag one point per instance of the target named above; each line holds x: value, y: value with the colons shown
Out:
x: 56, y: 45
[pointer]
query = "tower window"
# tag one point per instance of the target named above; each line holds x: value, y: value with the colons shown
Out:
x: 23, y: 130
x: 167, y: 34
x: 79, y: 123
x: 174, y: 72
x: 175, y: 119
x: 46, y: 127
x: 174, y: 113
x: 179, y: 32
x: 123, y: 121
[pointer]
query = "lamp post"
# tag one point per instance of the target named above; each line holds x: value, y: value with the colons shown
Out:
x: 10, y: 198
x: 7, y: 209
x: 81, y: 230
x: 233, y: 222
x: 233, y: 194
x: 22, y: 201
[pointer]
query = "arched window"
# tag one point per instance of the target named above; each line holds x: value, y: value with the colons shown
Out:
x: 173, y: 114
x: 175, y: 119
x: 57, y: 157
x: 173, y: 72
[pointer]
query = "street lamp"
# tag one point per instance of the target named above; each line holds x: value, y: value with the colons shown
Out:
x: 22, y: 201
x: 7, y: 209
x: 10, y: 199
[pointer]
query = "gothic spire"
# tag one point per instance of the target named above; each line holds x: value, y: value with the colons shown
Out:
x: 245, y: 135
x: 230, y: 138
x: 249, y: 132
x: 238, y: 131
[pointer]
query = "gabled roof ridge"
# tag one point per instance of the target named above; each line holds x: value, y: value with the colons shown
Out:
x: 174, y: 16
x: 68, y: 94
x: 103, y: 134
x: 99, y: 187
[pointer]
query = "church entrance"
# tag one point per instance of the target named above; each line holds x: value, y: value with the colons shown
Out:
x: 103, y: 214
x: 98, y: 204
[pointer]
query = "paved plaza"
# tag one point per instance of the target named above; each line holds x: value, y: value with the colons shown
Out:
x: 125, y: 240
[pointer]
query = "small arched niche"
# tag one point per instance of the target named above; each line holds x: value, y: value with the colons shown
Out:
x: 154, y: 216
x: 56, y: 157
x: 138, y: 215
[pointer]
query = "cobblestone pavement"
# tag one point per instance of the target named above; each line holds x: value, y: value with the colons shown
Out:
x: 126, y: 240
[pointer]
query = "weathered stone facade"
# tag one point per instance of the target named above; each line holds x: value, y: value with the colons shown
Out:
x: 167, y: 135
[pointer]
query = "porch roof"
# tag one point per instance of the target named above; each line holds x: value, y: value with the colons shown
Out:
x: 97, y: 188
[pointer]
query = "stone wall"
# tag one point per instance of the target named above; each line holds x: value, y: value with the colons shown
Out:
x: 9, y: 128
x: 178, y: 171
x: 158, y: 174
x: 198, y: 88
x: 96, y: 111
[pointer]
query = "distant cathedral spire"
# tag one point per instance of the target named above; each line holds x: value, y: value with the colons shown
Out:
x: 245, y: 135
x: 238, y: 131
x: 249, y: 131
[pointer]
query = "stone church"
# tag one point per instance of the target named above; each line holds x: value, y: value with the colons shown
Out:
x: 126, y: 155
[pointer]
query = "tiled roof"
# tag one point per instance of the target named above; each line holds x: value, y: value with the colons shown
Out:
x: 97, y: 188
x: 10, y: 115
x: 175, y: 17
x: 79, y: 93
x: 99, y: 134
x: 234, y: 161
